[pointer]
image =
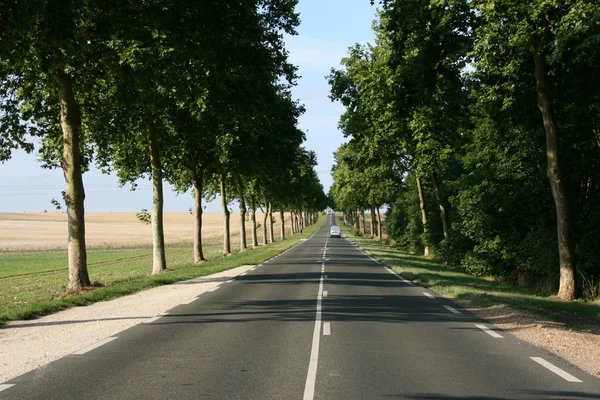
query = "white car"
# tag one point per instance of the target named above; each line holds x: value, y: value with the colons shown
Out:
x: 335, y: 231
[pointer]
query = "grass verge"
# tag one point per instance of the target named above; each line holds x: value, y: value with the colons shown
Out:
x: 32, y: 285
x: 480, y: 291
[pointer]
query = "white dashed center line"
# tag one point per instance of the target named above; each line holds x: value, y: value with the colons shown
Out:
x: 429, y: 295
x: 489, y: 331
x: 311, y: 377
x: 563, y: 374
x: 94, y: 346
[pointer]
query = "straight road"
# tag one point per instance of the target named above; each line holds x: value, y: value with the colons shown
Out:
x: 320, y: 321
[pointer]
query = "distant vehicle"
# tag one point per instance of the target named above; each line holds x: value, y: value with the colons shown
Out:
x: 335, y: 231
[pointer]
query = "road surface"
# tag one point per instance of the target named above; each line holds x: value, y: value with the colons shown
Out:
x: 320, y: 321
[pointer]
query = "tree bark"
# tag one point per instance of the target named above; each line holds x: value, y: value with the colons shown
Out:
x: 159, y: 260
x: 423, y: 213
x: 70, y: 122
x: 271, y: 233
x: 379, y: 226
x: 226, y: 235
x: 265, y: 234
x: 254, y: 237
x: 363, y: 229
x: 197, y: 177
x: 566, y: 248
x: 438, y: 197
x: 243, y: 210
x: 282, y: 217
x: 372, y: 221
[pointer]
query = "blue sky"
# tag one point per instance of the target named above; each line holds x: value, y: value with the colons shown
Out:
x: 327, y: 29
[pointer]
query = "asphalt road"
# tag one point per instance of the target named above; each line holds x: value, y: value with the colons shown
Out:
x: 320, y: 321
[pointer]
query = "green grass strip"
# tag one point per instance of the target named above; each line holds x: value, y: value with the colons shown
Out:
x: 33, y: 285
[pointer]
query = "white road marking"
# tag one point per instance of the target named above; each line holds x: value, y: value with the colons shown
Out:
x: 429, y: 295
x: 229, y: 281
x: 563, y: 374
x: 94, y: 346
x: 311, y: 377
x: 326, y: 329
x: 398, y: 276
x: 452, y: 310
x: 151, y: 320
x: 243, y: 274
x: 5, y: 386
x: 266, y: 261
x: 252, y: 269
x: 489, y: 331
x: 325, y: 293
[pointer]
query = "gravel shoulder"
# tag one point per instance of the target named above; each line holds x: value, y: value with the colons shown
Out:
x: 27, y: 345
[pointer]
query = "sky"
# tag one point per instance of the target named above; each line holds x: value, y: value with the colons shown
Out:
x: 327, y: 29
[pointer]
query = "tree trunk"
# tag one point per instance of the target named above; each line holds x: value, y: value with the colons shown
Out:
x: 198, y: 187
x: 566, y: 248
x: 282, y: 217
x: 271, y: 233
x: 372, y: 221
x: 226, y: 236
x: 243, y: 210
x: 423, y: 213
x: 159, y: 261
x: 438, y: 197
x: 363, y: 229
x: 254, y: 237
x: 379, y: 226
x: 70, y: 122
x: 265, y: 235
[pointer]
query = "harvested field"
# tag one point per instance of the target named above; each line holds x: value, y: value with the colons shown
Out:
x: 26, y: 232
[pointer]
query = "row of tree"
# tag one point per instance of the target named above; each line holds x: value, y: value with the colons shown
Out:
x: 478, y: 124
x: 196, y: 93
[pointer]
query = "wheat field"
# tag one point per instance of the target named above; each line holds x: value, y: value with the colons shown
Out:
x: 23, y: 232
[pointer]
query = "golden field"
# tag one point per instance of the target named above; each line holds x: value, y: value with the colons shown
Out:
x: 21, y: 232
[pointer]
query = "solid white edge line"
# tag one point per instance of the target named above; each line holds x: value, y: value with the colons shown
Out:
x: 452, y: 309
x: 151, y: 320
x: 325, y: 293
x: 5, y: 386
x: 489, y: 331
x: 311, y: 377
x: 326, y: 329
x: 229, y: 281
x: 563, y: 374
x: 94, y: 346
x: 429, y: 295
x: 244, y: 274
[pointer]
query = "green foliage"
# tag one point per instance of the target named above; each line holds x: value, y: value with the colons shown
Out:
x: 475, y: 135
x: 144, y: 217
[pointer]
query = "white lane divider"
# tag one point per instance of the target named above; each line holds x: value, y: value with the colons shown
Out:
x: 311, y: 377
x: 563, y: 374
x: 429, y: 295
x: 151, y: 320
x: 452, y: 309
x: 325, y: 293
x: 5, y: 386
x: 94, y: 346
x: 489, y: 331
x: 326, y: 329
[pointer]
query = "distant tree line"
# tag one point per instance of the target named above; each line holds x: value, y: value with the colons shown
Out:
x: 196, y: 93
x: 477, y: 123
